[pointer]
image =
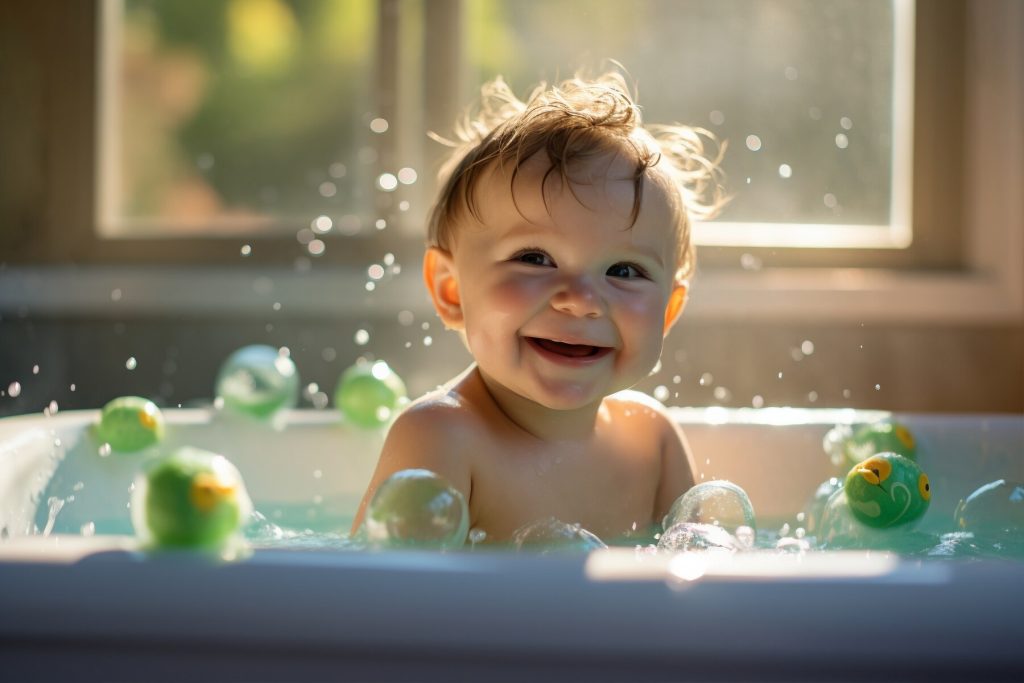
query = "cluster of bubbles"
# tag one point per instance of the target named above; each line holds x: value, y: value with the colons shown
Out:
x: 259, y: 381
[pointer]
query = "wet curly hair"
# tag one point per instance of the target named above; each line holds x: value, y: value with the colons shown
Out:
x: 573, y: 121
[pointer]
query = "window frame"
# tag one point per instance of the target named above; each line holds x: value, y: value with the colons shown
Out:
x: 966, y: 269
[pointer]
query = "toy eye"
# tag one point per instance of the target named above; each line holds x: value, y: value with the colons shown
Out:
x: 924, y: 486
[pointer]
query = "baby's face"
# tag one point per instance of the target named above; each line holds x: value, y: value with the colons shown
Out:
x: 565, y: 304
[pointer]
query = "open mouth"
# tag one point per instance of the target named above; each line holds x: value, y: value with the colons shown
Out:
x: 568, y: 351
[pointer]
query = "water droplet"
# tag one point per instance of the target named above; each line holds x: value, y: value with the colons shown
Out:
x: 477, y: 536
x: 407, y: 176
x: 14, y: 389
x: 379, y: 125
x: 245, y: 250
x: 131, y: 363
x: 807, y: 347
x: 383, y: 414
x: 362, y: 337
x: 376, y: 271
x: 403, y: 205
x: 661, y: 393
x: 88, y: 529
x: 812, y: 396
x: 425, y: 325
x: 328, y: 189
x: 830, y: 200
x: 322, y: 224
x: 780, y: 374
x: 878, y: 387
x: 722, y: 394
x: 753, y: 143
x: 318, y: 474
x: 387, y: 182
x: 337, y: 170
x: 104, y: 450
x: 427, y: 341
x: 72, y: 387
x: 842, y: 142
x: 276, y: 306
x: 115, y: 295
x: 35, y: 369
x: 329, y: 354
x: 785, y: 171
x: 750, y: 262
x: 757, y: 401
x: 846, y: 123
x: 706, y: 379
x: 316, y: 247
x: 846, y: 393
x: 388, y: 259
x: 676, y: 379
x: 716, y: 117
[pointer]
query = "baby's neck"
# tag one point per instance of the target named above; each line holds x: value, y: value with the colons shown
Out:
x: 537, y: 420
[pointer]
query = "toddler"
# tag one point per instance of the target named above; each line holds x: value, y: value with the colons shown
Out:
x: 559, y: 249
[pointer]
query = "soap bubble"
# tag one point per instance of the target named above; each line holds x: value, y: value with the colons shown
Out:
x: 550, y: 534
x: 417, y: 508
x: 258, y: 380
x: 192, y: 498
x: 996, y: 508
x: 692, y: 536
x: 129, y: 424
x: 369, y: 394
x: 815, y: 508
x: 719, y: 503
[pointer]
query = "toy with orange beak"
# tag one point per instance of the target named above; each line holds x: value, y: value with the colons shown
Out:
x: 192, y: 498
x: 887, y: 490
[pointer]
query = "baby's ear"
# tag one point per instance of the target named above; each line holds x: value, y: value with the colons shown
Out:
x: 674, y: 307
x: 442, y: 282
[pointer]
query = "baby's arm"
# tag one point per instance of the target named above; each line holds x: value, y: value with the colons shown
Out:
x: 677, y: 467
x: 424, y: 436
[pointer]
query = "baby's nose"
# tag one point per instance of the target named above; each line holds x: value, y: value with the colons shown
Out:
x: 577, y: 296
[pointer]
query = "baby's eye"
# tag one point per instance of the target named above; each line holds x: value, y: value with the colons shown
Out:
x: 533, y: 257
x: 626, y: 271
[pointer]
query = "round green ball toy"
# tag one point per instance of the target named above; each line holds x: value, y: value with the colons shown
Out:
x: 887, y: 490
x: 190, y: 499
x: 419, y: 509
x: 879, y: 437
x: 130, y: 423
x: 369, y: 394
x: 258, y: 381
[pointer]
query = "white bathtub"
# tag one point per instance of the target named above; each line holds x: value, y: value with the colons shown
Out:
x: 94, y: 608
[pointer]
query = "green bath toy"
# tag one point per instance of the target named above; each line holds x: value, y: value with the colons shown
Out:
x: 417, y: 508
x: 192, y: 498
x: 369, y: 394
x: 887, y: 490
x: 879, y: 437
x: 258, y: 381
x: 130, y: 423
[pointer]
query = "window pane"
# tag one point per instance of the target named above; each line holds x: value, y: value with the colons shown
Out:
x: 802, y: 91
x: 223, y: 116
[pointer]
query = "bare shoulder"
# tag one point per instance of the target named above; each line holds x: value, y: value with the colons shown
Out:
x: 435, y: 429
x: 640, y: 406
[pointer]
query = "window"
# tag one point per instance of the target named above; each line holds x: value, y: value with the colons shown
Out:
x: 269, y: 117
x: 69, y: 176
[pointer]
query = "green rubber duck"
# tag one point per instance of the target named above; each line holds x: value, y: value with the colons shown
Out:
x: 887, y: 490
x: 130, y: 423
x: 879, y: 437
x: 192, y: 498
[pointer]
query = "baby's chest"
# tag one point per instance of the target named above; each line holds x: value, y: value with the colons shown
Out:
x: 605, y: 487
